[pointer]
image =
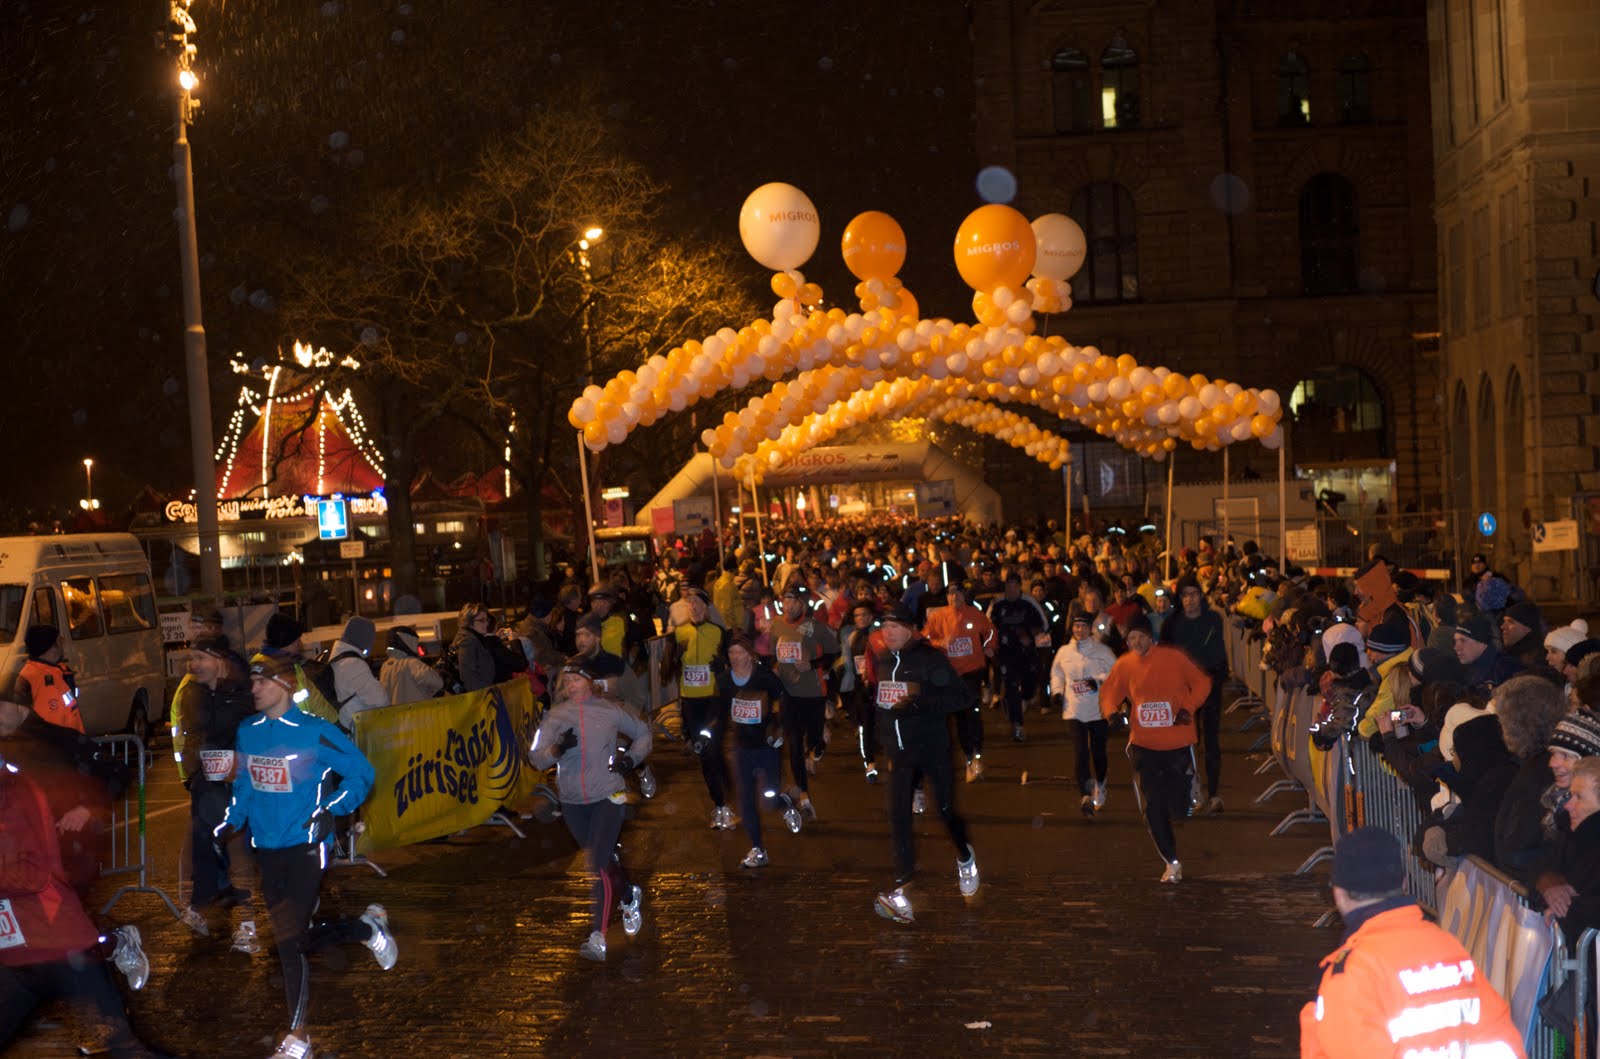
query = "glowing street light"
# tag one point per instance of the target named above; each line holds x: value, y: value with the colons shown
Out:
x: 88, y: 503
x: 180, y: 24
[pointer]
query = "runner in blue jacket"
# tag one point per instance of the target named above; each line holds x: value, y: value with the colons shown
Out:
x: 295, y: 773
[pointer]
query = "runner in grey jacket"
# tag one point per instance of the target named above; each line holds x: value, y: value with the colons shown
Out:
x: 579, y: 736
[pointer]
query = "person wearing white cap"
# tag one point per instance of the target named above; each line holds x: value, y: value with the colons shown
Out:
x: 1560, y: 640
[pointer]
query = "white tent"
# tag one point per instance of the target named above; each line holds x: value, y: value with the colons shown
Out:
x: 919, y: 462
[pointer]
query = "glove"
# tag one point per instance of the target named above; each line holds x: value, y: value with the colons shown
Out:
x: 622, y: 764
x: 568, y: 740
x: 319, y: 825
x: 221, y: 837
x: 1183, y: 718
x: 700, y: 741
x: 774, y: 736
x: 1094, y: 685
x: 1056, y: 700
x: 1118, y: 722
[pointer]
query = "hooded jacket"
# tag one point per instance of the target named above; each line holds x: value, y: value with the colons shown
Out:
x: 405, y: 677
x: 352, y: 677
x: 1080, y: 667
x: 583, y: 773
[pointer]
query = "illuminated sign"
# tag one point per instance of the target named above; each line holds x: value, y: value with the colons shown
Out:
x: 276, y: 507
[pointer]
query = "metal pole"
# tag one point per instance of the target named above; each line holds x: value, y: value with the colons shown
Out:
x: 1283, y: 503
x: 588, y: 509
x: 1166, y: 566
x: 716, y: 511
x: 761, y: 546
x: 738, y: 496
x: 1225, y: 477
x: 194, y: 346
x: 1066, y: 527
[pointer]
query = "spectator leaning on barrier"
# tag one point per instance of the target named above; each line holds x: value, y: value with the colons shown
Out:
x: 1389, y: 653
x: 406, y: 676
x: 1576, y: 899
x: 1398, y: 985
x: 467, y: 664
x: 1576, y: 737
x: 1462, y: 824
x: 1529, y: 708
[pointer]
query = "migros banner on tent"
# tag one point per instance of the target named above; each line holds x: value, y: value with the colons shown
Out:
x: 447, y: 764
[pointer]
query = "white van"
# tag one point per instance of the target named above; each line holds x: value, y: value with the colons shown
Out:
x: 95, y: 588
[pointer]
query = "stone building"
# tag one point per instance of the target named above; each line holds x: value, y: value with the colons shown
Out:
x: 1255, y: 179
x: 1516, y: 138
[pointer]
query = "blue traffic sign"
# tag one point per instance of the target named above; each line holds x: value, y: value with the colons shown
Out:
x: 1487, y: 524
x: 333, y: 521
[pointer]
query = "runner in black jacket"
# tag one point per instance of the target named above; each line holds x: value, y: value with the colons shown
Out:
x: 917, y: 690
x: 1197, y: 630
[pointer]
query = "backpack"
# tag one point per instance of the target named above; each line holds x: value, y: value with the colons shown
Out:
x: 320, y: 673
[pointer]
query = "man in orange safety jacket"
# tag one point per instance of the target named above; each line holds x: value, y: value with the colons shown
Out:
x: 1398, y: 986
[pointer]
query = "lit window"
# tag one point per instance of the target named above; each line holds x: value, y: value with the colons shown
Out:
x: 1119, y: 86
x: 450, y: 527
x: 1294, y: 90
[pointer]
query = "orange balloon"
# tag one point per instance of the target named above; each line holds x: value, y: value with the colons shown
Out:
x: 874, y: 245
x: 995, y: 247
x: 908, y: 306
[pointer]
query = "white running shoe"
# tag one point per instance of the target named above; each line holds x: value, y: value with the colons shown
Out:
x: 196, y: 922
x: 594, y: 948
x: 129, y: 957
x: 919, y: 802
x: 719, y: 818
x: 729, y: 821
x: 791, y: 815
x: 807, y: 810
x: 632, y: 914
x: 245, y: 939
x: 1173, y: 874
x: 382, y: 943
x: 975, y: 770
x: 967, y: 873
x: 1099, y: 796
x: 1214, y: 806
x: 293, y: 1046
x: 756, y: 858
x: 895, y: 905
x: 647, y: 782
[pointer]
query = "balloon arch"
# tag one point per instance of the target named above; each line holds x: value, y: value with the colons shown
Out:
x: 831, y: 370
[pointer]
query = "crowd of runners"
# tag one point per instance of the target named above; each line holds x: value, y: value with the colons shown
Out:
x: 927, y: 636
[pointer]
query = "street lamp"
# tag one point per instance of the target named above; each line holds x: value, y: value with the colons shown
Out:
x: 180, y: 26
x: 591, y: 236
x: 88, y: 503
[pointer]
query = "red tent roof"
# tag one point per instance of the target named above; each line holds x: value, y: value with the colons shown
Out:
x: 289, y: 451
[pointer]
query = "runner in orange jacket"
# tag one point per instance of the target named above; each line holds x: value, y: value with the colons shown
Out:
x: 967, y: 637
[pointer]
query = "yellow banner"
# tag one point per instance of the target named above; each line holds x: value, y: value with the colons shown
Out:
x: 444, y: 765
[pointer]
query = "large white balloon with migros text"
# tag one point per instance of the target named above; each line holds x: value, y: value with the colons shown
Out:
x: 779, y: 226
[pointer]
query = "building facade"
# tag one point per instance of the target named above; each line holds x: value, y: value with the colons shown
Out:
x: 1255, y: 181
x: 1516, y: 137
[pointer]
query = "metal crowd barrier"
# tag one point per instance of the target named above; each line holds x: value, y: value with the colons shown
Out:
x: 129, y: 853
x: 1523, y: 957
x: 1382, y: 800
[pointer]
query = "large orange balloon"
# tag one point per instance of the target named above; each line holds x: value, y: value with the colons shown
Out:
x: 995, y: 246
x: 874, y: 246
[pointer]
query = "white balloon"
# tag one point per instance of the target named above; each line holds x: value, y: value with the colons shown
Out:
x: 1190, y: 408
x: 1209, y: 395
x: 617, y: 432
x: 583, y: 408
x: 1139, y: 378
x: 958, y: 362
x: 1049, y: 364
x: 1061, y: 247
x: 1028, y: 375
x: 779, y: 226
x: 1119, y: 388
x: 1019, y: 311
x: 1270, y: 402
x: 1169, y: 413
x: 1097, y: 392
x: 1232, y: 390
x: 1241, y: 430
x: 1274, y: 439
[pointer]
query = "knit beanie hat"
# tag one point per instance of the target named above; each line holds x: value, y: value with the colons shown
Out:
x: 1567, y: 637
x: 1493, y: 593
x: 1480, y: 628
x: 40, y: 638
x: 1526, y: 614
x: 1369, y: 861
x: 274, y: 667
x: 1391, y: 637
x: 1581, y: 650
x: 282, y: 630
x: 360, y: 633
x: 1578, y: 733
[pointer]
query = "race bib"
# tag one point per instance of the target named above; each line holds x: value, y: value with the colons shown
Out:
x: 10, y: 930
x: 747, y: 711
x: 960, y: 647
x: 789, y: 652
x: 217, y: 764
x: 697, y: 676
x: 1155, y: 715
x: 1041, y: 639
x: 890, y: 692
x: 1082, y: 687
x: 861, y: 665
x: 270, y: 774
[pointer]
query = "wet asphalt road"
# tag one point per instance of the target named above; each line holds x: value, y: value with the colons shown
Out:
x: 1070, y: 948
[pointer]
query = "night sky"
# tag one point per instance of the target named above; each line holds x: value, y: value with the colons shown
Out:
x: 312, y: 107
